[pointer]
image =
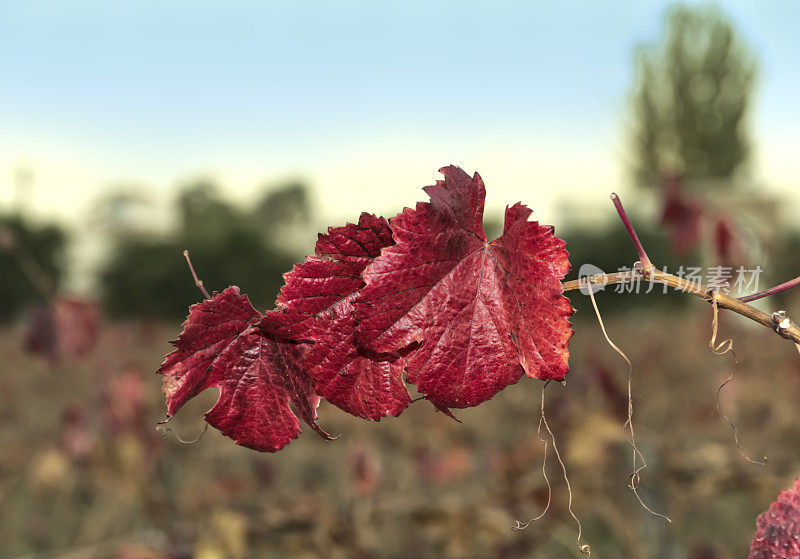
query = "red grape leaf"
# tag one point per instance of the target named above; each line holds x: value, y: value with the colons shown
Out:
x: 316, y: 303
x: 257, y: 372
x: 778, y: 529
x: 485, y: 313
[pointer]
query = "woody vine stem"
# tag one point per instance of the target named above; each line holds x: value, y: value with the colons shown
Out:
x: 643, y: 269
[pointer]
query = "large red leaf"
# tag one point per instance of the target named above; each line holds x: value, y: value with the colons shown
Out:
x: 778, y: 529
x: 485, y: 313
x: 257, y: 372
x: 316, y: 304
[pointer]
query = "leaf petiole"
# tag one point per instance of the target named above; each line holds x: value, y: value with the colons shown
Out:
x: 646, y: 264
x: 771, y: 291
x: 198, y: 282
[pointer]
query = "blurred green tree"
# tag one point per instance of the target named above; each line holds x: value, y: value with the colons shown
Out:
x: 229, y: 245
x: 691, y: 97
x: 284, y: 206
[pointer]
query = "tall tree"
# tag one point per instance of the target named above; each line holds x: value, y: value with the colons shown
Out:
x: 691, y: 99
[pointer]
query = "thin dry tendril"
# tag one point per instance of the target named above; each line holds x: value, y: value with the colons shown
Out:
x: 722, y: 348
x: 164, y: 430
x: 633, y: 478
x: 582, y: 547
x: 520, y: 525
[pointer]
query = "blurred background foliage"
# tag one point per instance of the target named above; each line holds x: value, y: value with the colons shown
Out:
x: 690, y: 138
x: 691, y: 100
x: 144, y: 273
x: 228, y: 245
x: 83, y: 474
x: 32, y: 263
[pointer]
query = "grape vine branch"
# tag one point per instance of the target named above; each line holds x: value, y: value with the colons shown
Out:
x: 422, y: 299
x: 777, y: 322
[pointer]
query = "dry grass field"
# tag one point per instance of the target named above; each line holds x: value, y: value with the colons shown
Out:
x: 84, y: 474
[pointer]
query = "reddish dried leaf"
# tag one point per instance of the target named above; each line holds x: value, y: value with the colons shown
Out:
x: 40, y: 336
x: 77, y: 440
x: 365, y: 469
x: 726, y: 242
x: 317, y: 305
x: 126, y: 414
x: 65, y: 329
x: 485, y: 313
x: 443, y: 466
x: 124, y: 403
x: 778, y: 529
x: 77, y: 324
x: 681, y: 216
x: 602, y: 378
x: 258, y: 374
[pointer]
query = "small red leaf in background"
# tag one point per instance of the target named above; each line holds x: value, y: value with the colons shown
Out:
x: 316, y: 303
x: 442, y: 466
x: 77, y: 326
x: 365, y: 469
x: 257, y: 372
x: 124, y: 405
x: 485, y: 313
x: 778, y: 529
x: 126, y: 417
x: 681, y: 216
x: 727, y: 242
x: 77, y: 439
x: 600, y: 377
x: 63, y: 330
x: 40, y: 333
x: 688, y: 217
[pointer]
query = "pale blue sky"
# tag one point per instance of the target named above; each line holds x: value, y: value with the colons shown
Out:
x: 364, y: 99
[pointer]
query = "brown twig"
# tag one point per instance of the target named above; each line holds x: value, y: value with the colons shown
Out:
x: 771, y: 291
x: 197, y: 282
x: 645, y: 270
x: 785, y: 327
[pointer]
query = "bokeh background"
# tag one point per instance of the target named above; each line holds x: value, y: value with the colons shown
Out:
x: 134, y: 130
